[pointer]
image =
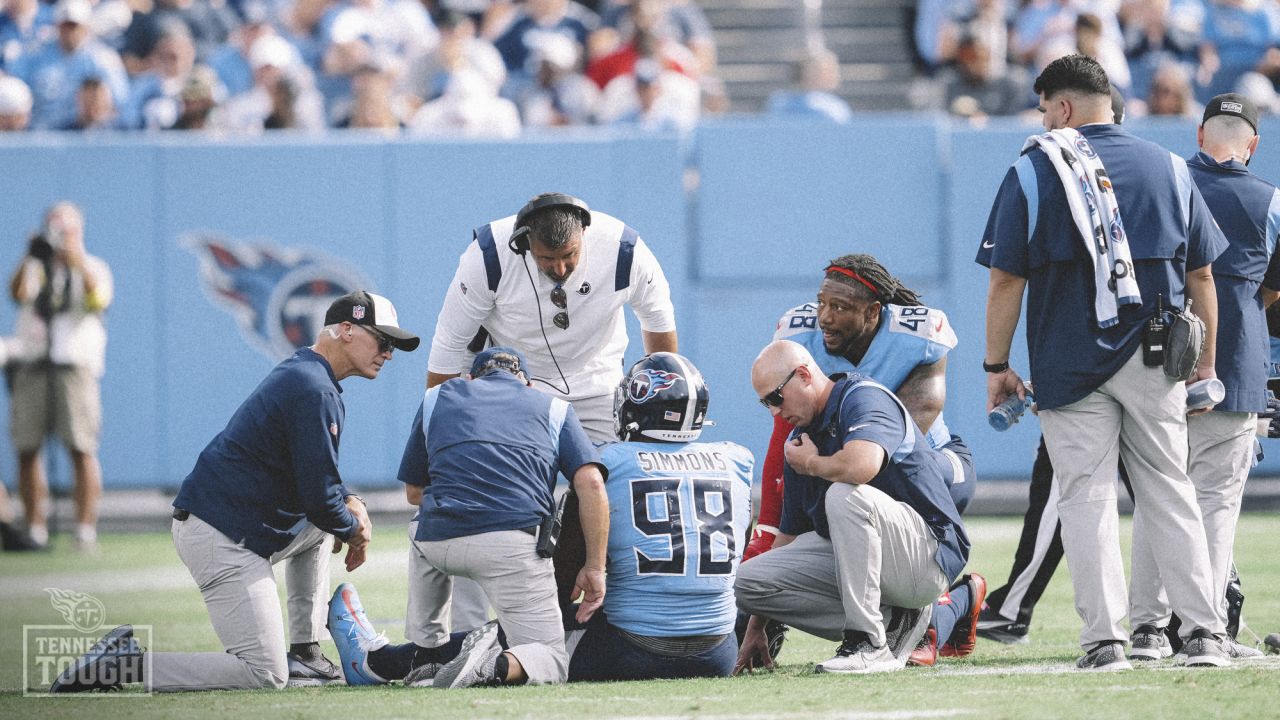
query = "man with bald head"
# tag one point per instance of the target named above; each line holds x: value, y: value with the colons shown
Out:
x: 867, y: 519
x: 1247, y: 209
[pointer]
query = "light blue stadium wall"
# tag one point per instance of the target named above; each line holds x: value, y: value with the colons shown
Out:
x: 743, y: 216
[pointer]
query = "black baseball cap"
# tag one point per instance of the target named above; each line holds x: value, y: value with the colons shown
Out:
x: 365, y: 308
x: 1233, y: 104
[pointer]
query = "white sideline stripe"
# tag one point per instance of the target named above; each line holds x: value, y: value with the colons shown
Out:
x: 1269, y: 663
x: 172, y: 576
x: 841, y: 715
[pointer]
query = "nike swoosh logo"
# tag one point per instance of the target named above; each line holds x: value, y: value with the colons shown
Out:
x: 986, y: 245
x: 855, y: 428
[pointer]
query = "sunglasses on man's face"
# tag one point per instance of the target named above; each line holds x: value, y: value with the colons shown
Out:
x: 385, y: 343
x: 559, y: 299
x: 774, y: 398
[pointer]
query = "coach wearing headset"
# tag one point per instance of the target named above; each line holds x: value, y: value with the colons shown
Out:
x: 550, y: 282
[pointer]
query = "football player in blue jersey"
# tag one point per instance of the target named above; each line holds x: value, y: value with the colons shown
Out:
x: 678, y: 512
x: 865, y: 320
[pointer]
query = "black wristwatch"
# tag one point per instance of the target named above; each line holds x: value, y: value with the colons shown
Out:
x: 995, y: 367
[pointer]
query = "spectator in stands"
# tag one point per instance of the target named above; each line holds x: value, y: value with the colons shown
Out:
x: 1171, y: 94
x: 95, y: 110
x: 647, y: 39
x: 155, y: 97
x: 1109, y: 54
x: 459, y: 49
x: 110, y: 21
x: 371, y: 101
x: 653, y: 99
x: 200, y: 95
x: 1157, y: 32
x: 15, y: 106
x: 54, y: 72
x: 537, y: 17
x: 818, y: 78
x: 231, y: 61
x: 1237, y: 35
x: 282, y: 96
x: 973, y: 90
x: 469, y: 107
x: 24, y: 26
x: 303, y: 25
x: 558, y: 94
x: 680, y: 20
x: 1044, y: 30
x: 210, y: 24
x: 388, y: 34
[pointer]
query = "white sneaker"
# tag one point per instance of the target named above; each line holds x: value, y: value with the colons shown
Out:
x: 1239, y: 651
x: 857, y: 656
x: 1149, y: 642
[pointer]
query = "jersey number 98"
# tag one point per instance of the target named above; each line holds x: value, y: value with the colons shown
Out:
x: 658, y: 510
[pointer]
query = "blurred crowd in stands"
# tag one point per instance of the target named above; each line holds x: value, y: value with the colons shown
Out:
x: 978, y: 58
x: 477, y: 68
x: 495, y: 68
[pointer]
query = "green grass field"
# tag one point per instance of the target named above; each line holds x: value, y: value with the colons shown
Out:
x: 139, y: 580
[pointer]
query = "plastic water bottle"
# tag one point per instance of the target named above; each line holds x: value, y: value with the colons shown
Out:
x: 1205, y: 393
x: 1003, y: 416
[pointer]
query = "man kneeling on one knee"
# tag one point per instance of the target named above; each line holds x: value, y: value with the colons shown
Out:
x: 869, y: 534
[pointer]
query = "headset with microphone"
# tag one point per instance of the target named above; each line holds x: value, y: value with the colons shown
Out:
x: 519, y: 241
x: 519, y: 244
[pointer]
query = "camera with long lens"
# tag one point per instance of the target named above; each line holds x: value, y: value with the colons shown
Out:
x: 45, y: 244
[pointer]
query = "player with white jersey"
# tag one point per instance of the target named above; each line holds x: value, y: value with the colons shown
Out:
x: 678, y: 510
x: 865, y: 320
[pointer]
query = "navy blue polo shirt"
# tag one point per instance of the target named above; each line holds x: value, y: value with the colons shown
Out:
x: 276, y: 462
x: 1030, y: 233
x: 861, y: 409
x: 1247, y: 209
x: 486, y: 453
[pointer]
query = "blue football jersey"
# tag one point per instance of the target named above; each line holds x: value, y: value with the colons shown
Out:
x: 677, y: 516
x: 908, y: 337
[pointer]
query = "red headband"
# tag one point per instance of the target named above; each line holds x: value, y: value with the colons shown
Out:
x: 849, y: 273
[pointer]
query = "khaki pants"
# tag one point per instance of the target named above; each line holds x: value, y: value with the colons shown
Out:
x: 881, y: 552
x: 521, y: 586
x: 1221, y: 453
x: 239, y: 590
x: 1138, y: 415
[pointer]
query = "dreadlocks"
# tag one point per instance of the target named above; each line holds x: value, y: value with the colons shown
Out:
x: 865, y: 272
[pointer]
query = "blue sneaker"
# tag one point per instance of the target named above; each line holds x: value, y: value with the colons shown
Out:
x: 354, y: 636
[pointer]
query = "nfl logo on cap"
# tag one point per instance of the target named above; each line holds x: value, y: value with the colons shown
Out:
x: 357, y: 312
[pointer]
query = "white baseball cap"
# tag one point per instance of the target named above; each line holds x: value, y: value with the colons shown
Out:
x: 73, y: 11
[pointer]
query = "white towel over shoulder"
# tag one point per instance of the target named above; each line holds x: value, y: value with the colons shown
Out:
x: 1097, y: 216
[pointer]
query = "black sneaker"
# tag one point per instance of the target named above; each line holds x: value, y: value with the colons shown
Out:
x: 311, y: 667
x: 1148, y: 642
x: 776, y: 634
x: 105, y: 667
x: 1203, y: 649
x: 14, y: 540
x: 994, y: 626
x: 1272, y: 644
x: 904, y: 628
x: 1105, y: 657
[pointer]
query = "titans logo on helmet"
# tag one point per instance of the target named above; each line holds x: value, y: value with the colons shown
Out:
x: 646, y: 384
x: 278, y: 296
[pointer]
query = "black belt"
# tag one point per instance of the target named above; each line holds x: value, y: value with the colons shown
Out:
x: 179, y: 514
x: 532, y: 530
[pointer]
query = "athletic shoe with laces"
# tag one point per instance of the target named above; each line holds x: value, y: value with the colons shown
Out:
x: 1272, y: 644
x: 100, y: 669
x: 474, y: 663
x: 1105, y: 657
x: 857, y: 656
x: 926, y: 653
x: 423, y: 675
x: 903, y: 630
x: 964, y: 637
x: 1149, y: 642
x: 994, y: 626
x: 1202, y: 649
x: 1239, y: 651
x: 354, y: 636
x: 775, y: 634
x: 311, y: 669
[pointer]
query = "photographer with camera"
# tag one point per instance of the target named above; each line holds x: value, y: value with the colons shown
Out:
x: 61, y: 292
